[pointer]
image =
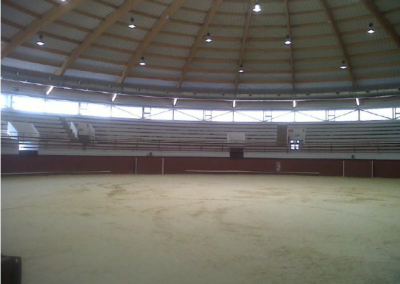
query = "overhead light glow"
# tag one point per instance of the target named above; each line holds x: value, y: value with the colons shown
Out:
x: 257, y: 7
x: 294, y: 104
x: 142, y: 62
x: 175, y: 101
x: 132, y: 24
x: 288, y: 41
x: 49, y: 90
x: 358, y: 101
x: 241, y: 70
x: 234, y: 104
x: 208, y: 38
x: 114, y: 97
x: 371, y: 28
x: 343, y: 66
x: 40, y: 42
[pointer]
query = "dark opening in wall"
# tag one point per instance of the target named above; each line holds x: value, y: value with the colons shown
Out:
x: 28, y: 153
x: 28, y: 149
x: 236, y: 153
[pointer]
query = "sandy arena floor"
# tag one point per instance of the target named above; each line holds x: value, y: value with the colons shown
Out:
x: 202, y: 229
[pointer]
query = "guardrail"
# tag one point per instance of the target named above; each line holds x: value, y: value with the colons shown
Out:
x: 48, y: 142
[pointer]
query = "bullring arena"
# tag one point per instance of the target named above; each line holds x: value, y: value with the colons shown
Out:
x: 216, y: 141
x: 203, y: 229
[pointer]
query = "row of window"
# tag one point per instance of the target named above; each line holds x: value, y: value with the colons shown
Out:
x: 32, y: 104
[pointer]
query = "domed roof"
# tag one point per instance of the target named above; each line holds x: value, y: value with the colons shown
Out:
x: 168, y: 49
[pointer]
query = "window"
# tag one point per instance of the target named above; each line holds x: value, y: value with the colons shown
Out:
x: 346, y: 115
x: 54, y: 106
x: 331, y: 115
x: 268, y: 115
x: 249, y: 116
x: 207, y: 115
x: 62, y: 107
x: 310, y: 116
x: 222, y: 116
x: 159, y: 114
x: 294, y: 145
x: 5, y: 99
x: 28, y: 104
x: 146, y: 112
x: 376, y: 114
x: 188, y: 115
x: 282, y: 116
x: 126, y: 112
x: 95, y: 110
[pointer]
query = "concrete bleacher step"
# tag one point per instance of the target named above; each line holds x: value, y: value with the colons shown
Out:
x: 70, y: 135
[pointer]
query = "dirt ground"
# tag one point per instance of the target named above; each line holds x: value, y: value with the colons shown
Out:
x: 202, y: 229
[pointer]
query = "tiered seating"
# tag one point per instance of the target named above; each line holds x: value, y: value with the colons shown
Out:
x: 3, y: 127
x: 130, y: 130
x: 353, y: 132
x: 377, y: 136
x: 150, y: 135
x: 49, y: 126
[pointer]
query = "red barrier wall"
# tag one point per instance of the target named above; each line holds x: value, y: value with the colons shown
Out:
x: 387, y: 169
x: 149, y: 165
x: 17, y: 164
x: 180, y: 165
x: 358, y: 168
x: 324, y: 167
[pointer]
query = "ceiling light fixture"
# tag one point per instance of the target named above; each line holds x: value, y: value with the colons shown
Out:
x: 208, y: 38
x: 132, y: 24
x: 371, y: 28
x: 257, y: 7
x: 175, y: 101
x: 234, y: 104
x: 114, y: 97
x: 343, y: 66
x: 241, y: 70
x: 288, y: 41
x: 49, y: 90
x: 294, y: 104
x: 40, y: 42
x: 357, y: 101
x: 142, y: 62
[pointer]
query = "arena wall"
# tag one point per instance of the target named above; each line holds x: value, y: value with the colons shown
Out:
x: 184, y: 165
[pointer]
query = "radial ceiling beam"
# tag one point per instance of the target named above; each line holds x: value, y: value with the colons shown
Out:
x: 168, y: 13
x: 244, y: 40
x: 374, y: 10
x: 33, y: 28
x: 111, y: 19
x: 291, y: 46
x: 210, y: 15
x: 329, y: 15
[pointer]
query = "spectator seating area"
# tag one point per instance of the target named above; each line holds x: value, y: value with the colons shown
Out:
x: 151, y: 135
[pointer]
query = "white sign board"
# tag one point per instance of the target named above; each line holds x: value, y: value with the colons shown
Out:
x: 85, y: 129
x: 236, y: 137
x: 296, y: 133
